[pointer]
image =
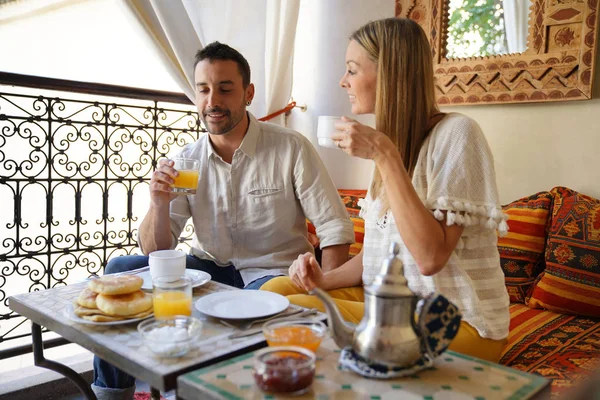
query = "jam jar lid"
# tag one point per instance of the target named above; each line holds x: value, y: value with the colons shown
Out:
x: 285, y: 369
x: 298, y: 357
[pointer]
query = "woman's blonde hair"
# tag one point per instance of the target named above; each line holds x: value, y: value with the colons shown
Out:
x: 405, y: 98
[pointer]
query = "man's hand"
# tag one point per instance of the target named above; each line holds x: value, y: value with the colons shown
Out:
x: 306, y: 273
x: 161, y: 184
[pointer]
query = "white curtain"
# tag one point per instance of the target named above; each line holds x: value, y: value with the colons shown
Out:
x: 262, y: 30
x: 516, y: 17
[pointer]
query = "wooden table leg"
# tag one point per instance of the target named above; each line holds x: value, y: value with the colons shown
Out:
x: 40, y: 361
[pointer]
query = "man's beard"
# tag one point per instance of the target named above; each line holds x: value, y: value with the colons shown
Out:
x: 230, y: 121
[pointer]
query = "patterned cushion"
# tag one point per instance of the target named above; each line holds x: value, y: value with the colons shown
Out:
x: 350, y: 199
x: 522, y: 249
x: 562, y: 348
x: 571, y: 280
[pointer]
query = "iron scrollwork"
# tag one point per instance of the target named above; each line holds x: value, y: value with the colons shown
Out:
x: 74, y: 180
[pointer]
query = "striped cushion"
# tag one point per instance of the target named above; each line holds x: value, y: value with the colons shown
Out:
x: 350, y: 199
x: 571, y: 280
x: 522, y: 249
x: 563, y: 348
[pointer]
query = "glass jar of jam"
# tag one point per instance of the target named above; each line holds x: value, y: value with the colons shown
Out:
x: 287, y: 369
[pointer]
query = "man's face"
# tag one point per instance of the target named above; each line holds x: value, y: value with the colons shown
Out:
x: 220, y: 95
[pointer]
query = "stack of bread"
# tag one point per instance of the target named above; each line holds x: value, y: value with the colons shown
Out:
x: 113, y: 298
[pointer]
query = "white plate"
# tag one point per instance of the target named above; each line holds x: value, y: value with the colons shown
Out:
x: 242, y: 304
x: 198, y: 278
x: 70, y: 313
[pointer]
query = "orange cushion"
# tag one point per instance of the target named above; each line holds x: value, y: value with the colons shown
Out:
x: 522, y: 249
x: 571, y: 281
x: 350, y: 199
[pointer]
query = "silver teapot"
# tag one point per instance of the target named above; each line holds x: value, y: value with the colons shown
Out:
x: 388, y: 334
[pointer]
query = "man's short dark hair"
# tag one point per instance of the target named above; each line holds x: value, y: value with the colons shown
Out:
x: 220, y: 51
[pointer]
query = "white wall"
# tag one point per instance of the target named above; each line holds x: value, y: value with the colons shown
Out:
x: 539, y: 146
x: 535, y: 146
x: 319, y: 63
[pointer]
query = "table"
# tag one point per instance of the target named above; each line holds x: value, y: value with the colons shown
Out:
x: 121, y: 345
x: 454, y: 377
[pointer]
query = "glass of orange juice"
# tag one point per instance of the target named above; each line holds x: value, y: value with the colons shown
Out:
x: 171, y: 297
x: 187, y: 180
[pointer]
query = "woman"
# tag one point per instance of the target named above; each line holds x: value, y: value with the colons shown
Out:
x: 433, y: 191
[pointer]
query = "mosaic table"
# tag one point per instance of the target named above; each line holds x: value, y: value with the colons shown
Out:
x: 121, y: 345
x: 454, y: 377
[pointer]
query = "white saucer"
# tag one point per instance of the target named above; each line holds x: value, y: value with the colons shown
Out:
x: 242, y: 304
x: 198, y: 278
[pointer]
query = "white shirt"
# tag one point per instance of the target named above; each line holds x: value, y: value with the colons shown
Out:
x: 454, y: 173
x: 252, y: 213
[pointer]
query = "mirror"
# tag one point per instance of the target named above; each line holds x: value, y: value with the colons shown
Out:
x: 486, y: 27
x: 554, y: 63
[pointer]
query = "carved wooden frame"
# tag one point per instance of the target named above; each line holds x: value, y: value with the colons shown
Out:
x: 558, y: 64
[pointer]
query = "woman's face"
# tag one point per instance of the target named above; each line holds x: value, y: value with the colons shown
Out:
x: 360, y: 79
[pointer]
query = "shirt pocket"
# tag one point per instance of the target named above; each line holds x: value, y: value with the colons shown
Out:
x: 265, y: 194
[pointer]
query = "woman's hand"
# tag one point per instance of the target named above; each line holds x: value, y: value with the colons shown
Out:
x: 360, y: 140
x: 305, y: 272
x: 161, y: 183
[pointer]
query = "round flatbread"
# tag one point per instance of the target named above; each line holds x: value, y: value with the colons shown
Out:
x: 112, y: 285
x: 124, y: 305
x: 107, y: 318
x: 87, y: 298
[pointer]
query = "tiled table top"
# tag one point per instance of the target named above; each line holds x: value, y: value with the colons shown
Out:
x: 454, y: 377
x: 122, y: 346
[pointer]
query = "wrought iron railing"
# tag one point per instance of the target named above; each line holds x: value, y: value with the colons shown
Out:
x: 74, y: 173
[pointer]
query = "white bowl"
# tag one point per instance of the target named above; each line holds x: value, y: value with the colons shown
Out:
x: 169, y: 338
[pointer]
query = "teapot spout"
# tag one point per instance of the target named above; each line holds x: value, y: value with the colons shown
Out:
x: 342, y: 331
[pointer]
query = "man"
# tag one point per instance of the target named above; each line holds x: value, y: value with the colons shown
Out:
x: 257, y: 185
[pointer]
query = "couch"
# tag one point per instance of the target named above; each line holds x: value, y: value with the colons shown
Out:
x: 551, y: 262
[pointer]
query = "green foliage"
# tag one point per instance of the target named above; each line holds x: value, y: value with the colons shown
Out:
x: 476, y: 28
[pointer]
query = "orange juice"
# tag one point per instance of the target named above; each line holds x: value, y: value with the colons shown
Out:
x: 301, y: 336
x: 187, y: 179
x: 168, y: 304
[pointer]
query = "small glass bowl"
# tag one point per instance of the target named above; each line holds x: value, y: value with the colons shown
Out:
x: 304, y: 333
x: 287, y: 369
x: 170, y: 338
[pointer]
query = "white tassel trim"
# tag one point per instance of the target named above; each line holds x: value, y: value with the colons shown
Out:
x: 458, y: 205
x: 467, y: 214
x: 443, y: 202
x: 450, y: 218
x: 502, y: 228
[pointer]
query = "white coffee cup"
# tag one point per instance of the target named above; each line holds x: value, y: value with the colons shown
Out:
x: 326, y: 129
x: 167, y: 263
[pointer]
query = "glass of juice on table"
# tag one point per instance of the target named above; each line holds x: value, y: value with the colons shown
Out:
x: 171, y: 297
x: 187, y: 180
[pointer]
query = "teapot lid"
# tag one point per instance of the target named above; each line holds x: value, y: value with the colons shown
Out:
x: 390, y: 282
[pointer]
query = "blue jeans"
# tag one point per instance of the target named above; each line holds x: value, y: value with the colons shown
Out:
x: 108, y: 376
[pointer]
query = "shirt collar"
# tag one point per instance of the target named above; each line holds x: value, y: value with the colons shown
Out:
x: 248, y: 145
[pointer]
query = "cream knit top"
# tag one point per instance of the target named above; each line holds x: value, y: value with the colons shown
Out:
x: 454, y: 173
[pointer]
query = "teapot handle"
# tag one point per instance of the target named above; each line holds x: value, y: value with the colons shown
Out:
x: 422, y: 310
x: 438, y: 323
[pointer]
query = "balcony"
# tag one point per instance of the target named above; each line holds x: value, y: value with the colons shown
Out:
x: 75, y: 162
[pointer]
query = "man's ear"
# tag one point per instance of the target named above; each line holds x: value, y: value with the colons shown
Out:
x: 250, y: 92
